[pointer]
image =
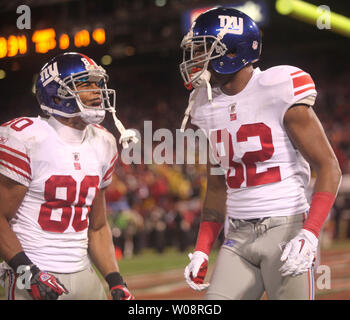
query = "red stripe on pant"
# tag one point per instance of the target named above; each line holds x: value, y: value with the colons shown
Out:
x: 311, y: 284
x: 12, y: 284
x: 14, y: 288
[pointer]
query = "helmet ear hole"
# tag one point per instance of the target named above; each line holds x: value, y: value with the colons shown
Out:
x: 56, y: 100
x: 231, y: 53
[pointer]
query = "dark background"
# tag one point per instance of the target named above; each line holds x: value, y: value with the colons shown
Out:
x: 150, y: 77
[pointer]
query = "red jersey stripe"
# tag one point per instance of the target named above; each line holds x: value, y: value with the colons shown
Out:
x: 296, y: 72
x: 110, y: 170
x: 18, y: 172
x: 114, y: 158
x: 15, y: 151
x: 305, y: 89
x: 19, y: 163
x: 302, y: 81
x: 108, y: 173
x: 108, y: 177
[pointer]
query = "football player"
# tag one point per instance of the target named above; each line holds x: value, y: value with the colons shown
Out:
x: 263, y: 134
x: 53, y: 177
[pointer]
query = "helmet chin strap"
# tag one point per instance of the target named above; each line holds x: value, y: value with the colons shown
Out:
x: 126, y: 135
x: 90, y: 116
x: 202, y: 81
x: 93, y: 116
x: 96, y: 116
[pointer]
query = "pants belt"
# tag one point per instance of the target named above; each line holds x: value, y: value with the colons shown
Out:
x: 272, y: 220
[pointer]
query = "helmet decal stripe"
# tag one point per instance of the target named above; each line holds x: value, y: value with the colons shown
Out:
x: 88, y: 59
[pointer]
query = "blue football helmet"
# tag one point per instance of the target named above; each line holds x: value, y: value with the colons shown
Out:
x: 225, y: 37
x: 57, y: 92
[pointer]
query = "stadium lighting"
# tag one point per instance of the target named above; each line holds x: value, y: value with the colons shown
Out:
x: 44, y: 40
x: 2, y: 74
x: 64, y: 41
x: 99, y: 35
x: 106, y: 60
x: 160, y: 3
x: 310, y: 13
x: 82, y: 38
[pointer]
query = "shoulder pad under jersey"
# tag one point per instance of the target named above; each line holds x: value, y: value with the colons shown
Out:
x: 292, y: 84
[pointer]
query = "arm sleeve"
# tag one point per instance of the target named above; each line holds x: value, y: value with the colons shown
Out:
x: 14, y: 159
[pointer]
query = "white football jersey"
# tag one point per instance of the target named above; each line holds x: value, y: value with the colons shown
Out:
x: 265, y: 174
x: 62, y: 179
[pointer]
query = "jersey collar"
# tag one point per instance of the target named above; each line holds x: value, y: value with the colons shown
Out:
x: 67, y: 134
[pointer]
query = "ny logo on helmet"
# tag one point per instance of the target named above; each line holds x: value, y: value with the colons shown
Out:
x: 235, y: 25
x: 49, y: 73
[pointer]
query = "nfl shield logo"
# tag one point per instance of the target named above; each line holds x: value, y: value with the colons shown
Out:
x: 76, y: 156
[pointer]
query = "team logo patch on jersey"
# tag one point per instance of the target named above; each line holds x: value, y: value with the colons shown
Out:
x: 77, y: 166
x: 76, y: 158
x: 232, y: 111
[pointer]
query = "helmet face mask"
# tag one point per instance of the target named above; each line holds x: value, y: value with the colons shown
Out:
x: 72, y: 89
x: 197, y: 52
x: 220, y: 32
x: 58, y: 93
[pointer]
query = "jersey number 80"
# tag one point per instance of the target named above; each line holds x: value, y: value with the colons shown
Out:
x: 67, y: 182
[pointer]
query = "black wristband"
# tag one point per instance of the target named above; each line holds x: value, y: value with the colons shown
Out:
x: 114, y: 279
x: 20, y: 259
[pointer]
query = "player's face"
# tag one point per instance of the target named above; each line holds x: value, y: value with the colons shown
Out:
x: 199, y: 51
x: 91, y: 98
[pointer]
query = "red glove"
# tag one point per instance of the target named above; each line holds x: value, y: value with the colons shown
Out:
x: 121, y: 292
x: 201, y: 273
x: 44, y: 286
x: 196, y: 270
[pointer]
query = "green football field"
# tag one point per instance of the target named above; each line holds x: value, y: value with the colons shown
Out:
x: 149, y: 263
